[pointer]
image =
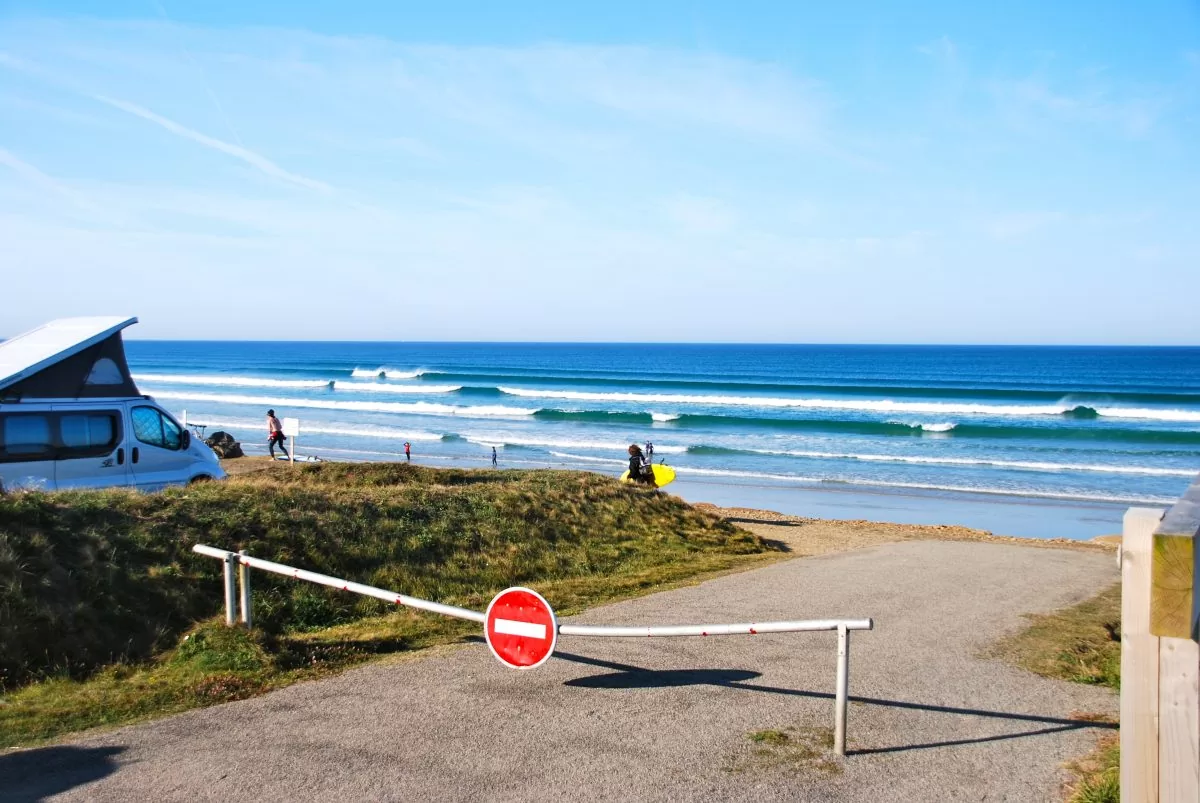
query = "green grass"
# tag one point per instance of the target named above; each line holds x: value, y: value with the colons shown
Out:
x: 1098, y: 775
x: 1081, y: 644
x: 106, y: 616
x: 793, y: 748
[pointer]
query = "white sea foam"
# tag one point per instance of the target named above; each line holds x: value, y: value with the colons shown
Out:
x: 942, y: 427
x: 585, y: 459
x: 1022, y: 465
x: 799, y: 479
x: 242, y: 424
x: 413, y: 408
x: 490, y: 438
x: 220, y: 380
x: 1149, y: 413
x: 231, y: 381
x: 861, y: 405
x: 664, y: 417
x: 382, y: 387
x: 384, y: 373
x: 1077, y: 497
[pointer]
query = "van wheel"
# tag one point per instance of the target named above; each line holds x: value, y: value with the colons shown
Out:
x: 200, y: 479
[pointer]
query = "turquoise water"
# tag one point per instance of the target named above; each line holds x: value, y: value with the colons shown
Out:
x: 987, y: 434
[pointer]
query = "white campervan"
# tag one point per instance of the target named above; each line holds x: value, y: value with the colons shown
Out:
x: 71, y: 416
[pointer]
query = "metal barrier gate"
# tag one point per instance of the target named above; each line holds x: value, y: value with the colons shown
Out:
x: 235, y: 603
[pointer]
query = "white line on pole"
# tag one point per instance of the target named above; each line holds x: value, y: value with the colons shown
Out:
x: 749, y: 629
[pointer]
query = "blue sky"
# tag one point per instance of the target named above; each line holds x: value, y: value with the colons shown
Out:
x: 764, y: 172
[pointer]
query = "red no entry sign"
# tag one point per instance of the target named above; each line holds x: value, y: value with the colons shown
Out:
x: 521, y: 630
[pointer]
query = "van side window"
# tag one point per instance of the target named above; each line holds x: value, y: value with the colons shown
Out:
x: 25, y: 437
x: 89, y: 433
x: 152, y: 427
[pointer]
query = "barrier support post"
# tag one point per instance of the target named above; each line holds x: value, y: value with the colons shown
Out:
x: 230, y: 591
x: 843, y: 684
x: 244, y: 583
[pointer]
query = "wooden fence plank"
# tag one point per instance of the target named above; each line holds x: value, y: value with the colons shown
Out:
x: 1139, y: 661
x: 1179, y: 720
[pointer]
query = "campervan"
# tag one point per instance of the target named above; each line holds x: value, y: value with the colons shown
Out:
x: 71, y: 416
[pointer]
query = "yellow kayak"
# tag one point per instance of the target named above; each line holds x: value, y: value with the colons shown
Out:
x: 663, y: 475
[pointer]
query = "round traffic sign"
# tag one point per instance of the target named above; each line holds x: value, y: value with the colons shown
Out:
x: 520, y: 629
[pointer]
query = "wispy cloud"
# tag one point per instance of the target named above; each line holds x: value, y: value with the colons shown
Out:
x: 1030, y: 100
x: 248, y: 156
x: 48, y: 185
x: 942, y: 49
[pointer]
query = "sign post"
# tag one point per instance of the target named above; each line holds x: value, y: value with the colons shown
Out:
x: 520, y: 628
x: 291, y: 428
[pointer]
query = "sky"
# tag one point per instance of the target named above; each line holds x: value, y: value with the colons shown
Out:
x: 617, y: 171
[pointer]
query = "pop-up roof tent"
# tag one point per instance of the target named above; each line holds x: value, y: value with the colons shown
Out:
x: 71, y: 358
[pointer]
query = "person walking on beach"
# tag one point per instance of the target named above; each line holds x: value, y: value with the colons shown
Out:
x: 649, y: 452
x: 407, y: 451
x: 494, y: 457
x: 275, y: 436
x: 639, y: 469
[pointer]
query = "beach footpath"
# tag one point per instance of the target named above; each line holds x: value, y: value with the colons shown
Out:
x: 719, y: 718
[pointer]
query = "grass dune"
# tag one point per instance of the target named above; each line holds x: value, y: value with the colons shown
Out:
x: 106, y: 615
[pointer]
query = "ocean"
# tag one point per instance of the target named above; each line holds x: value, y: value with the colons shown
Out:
x: 1033, y: 441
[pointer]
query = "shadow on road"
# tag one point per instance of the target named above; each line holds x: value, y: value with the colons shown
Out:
x: 635, y: 677
x: 33, y: 775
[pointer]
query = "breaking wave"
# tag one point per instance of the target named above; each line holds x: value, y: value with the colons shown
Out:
x: 508, y: 439
x: 242, y: 424
x: 232, y: 381
x: 384, y: 373
x: 863, y: 405
x: 966, y: 462
x: 412, y: 408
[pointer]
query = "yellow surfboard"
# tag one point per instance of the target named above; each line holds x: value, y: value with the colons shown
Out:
x: 663, y: 475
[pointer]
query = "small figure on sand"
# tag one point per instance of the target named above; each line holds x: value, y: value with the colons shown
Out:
x: 493, y: 457
x: 639, y: 469
x: 275, y: 436
x: 407, y: 451
x: 649, y: 452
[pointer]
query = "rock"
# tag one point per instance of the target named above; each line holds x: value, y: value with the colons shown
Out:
x: 224, y: 445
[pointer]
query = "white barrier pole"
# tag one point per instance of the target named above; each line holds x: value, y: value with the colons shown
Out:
x: 244, y: 582
x: 230, y: 592
x: 749, y: 629
x: 336, y: 582
x: 842, y: 690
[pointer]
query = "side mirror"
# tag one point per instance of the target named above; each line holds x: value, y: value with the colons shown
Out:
x: 187, y: 439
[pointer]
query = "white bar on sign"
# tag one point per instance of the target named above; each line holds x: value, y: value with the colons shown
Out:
x: 510, y: 627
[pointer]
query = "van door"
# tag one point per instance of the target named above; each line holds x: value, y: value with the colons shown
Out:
x: 157, y: 456
x: 92, y: 451
x: 27, y: 451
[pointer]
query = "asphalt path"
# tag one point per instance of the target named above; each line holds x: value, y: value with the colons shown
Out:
x: 659, y: 719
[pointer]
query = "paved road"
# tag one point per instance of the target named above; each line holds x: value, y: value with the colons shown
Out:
x: 662, y: 719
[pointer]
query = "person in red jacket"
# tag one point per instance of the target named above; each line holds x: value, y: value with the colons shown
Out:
x: 407, y: 450
x: 275, y: 436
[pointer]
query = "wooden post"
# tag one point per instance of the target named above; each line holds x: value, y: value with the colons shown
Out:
x: 1139, y: 661
x: 1175, y: 620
